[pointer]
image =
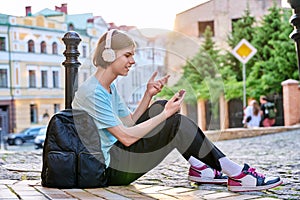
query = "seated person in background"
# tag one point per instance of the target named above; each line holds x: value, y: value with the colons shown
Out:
x: 252, y: 116
x: 268, y: 112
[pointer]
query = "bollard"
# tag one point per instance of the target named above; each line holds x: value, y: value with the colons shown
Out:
x: 71, y: 40
x: 295, y: 21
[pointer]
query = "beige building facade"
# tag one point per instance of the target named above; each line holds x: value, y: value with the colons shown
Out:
x: 219, y: 15
x: 32, y: 75
x: 32, y: 83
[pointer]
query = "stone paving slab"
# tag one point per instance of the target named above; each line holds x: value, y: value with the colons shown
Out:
x: 32, y: 189
x: 167, y: 180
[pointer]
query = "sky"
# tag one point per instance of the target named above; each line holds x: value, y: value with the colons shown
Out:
x: 140, y: 13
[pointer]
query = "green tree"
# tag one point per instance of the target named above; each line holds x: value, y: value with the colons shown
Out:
x: 200, y: 72
x: 231, y: 68
x: 275, y: 60
x: 201, y: 78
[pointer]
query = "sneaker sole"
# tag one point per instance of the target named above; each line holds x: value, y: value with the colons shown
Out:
x: 207, y: 180
x: 250, y: 189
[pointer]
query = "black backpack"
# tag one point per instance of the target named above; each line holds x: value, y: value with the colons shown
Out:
x: 270, y: 110
x: 72, y: 155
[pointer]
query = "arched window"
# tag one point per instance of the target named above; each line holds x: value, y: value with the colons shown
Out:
x: 43, y: 47
x: 54, y: 48
x: 31, y: 46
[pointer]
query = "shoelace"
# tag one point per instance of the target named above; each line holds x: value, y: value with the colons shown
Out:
x: 252, y: 171
x: 219, y: 174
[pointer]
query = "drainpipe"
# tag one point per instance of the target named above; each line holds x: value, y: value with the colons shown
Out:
x: 12, y: 104
x: 9, y: 61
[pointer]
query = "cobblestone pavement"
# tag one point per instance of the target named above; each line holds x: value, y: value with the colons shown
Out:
x: 274, y: 154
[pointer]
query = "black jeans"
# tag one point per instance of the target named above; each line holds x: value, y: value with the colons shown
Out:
x: 127, y: 164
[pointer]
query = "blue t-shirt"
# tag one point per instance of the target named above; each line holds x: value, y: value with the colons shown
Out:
x: 105, y: 108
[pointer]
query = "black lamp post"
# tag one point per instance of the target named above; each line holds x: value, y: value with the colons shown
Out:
x: 71, y: 40
x: 295, y: 21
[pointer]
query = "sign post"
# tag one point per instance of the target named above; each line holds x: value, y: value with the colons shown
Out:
x: 243, y: 52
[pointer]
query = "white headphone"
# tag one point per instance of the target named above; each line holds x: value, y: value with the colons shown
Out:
x: 108, y: 53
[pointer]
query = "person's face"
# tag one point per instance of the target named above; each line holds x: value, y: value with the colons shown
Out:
x: 124, y: 61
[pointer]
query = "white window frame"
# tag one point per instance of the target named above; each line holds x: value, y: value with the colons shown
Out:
x: 32, y: 67
x: 55, y: 69
x: 7, y: 75
x: 6, y: 41
x: 45, y: 68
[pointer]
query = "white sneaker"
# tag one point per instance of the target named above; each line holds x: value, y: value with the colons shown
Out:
x: 206, y: 175
x: 250, y: 180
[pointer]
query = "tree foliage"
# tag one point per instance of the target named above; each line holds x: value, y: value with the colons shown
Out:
x: 200, y: 74
x: 275, y: 60
x: 212, y: 71
x: 232, y: 69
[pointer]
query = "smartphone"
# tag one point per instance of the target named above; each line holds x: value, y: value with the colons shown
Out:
x: 181, y: 92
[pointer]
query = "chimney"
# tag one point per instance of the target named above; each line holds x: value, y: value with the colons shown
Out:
x: 28, y: 11
x: 90, y: 20
x: 63, y: 8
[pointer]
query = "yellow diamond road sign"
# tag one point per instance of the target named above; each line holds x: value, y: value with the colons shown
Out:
x: 244, y: 51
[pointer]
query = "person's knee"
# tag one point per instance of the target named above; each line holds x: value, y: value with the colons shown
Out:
x: 161, y: 102
x: 157, y: 107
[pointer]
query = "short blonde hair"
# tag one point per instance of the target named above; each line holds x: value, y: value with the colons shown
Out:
x: 119, y: 40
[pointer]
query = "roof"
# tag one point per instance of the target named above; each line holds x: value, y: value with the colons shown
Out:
x: 200, y: 4
x: 48, y: 12
x: 79, y: 20
x: 4, y: 19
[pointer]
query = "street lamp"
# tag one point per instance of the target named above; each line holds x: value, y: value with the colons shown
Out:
x: 295, y: 21
x: 71, y: 40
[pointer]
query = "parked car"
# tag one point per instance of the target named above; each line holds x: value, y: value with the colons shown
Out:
x: 26, y: 135
x: 40, y: 138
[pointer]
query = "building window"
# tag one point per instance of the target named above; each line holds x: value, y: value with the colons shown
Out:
x: 43, y: 47
x: 84, y: 51
x: 2, y: 44
x: 33, y: 114
x: 3, y: 78
x: 32, y: 79
x: 54, y: 48
x: 71, y: 27
x: 202, y: 26
x: 55, y: 79
x: 31, y: 46
x: 44, y: 76
x: 56, y: 107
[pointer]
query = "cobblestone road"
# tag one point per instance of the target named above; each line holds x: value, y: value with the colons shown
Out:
x: 274, y: 154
